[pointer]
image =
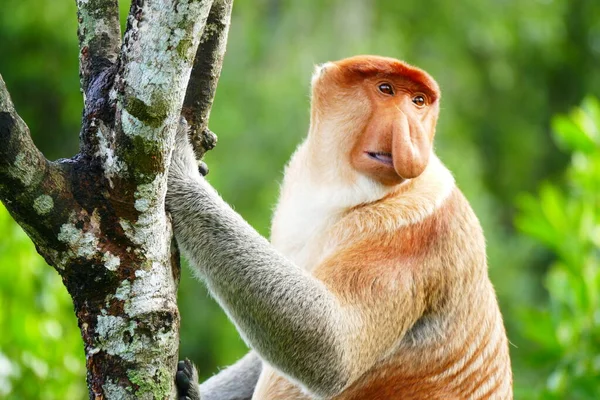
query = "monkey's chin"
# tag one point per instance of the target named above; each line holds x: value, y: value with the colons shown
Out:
x: 384, y: 158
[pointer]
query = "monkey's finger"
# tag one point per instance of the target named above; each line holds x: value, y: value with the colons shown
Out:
x: 181, y: 365
x: 183, y: 381
x: 203, y: 168
x: 182, y: 134
x: 189, y: 368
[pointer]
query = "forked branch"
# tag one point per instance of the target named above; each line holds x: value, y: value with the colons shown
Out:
x: 99, y: 217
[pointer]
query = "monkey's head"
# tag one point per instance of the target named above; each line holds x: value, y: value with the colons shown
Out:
x: 376, y: 115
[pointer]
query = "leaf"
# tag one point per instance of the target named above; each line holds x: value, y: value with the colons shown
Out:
x: 538, y: 327
x: 532, y: 221
x: 573, y: 133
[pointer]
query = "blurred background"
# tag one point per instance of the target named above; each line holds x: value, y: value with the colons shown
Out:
x: 519, y: 127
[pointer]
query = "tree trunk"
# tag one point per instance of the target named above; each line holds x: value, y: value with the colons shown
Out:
x: 99, y: 217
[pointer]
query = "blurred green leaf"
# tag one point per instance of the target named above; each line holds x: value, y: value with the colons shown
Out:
x: 41, y: 352
x: 571, y: 213
x: 538, y: 327
x: 571, y: 135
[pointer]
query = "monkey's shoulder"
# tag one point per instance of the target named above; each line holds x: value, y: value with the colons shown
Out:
x: 448, y: 228
x: 445, y: 246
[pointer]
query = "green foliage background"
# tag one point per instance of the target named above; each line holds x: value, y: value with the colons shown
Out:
x: 505, y: 68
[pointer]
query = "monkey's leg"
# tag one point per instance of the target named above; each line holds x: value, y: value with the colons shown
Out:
x: 236, y: 382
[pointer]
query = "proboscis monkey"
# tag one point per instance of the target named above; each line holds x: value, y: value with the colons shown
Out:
x: 375, y: 283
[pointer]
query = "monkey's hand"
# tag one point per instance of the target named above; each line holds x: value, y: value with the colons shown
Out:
x: 183, y: 161
x: 187, y: 381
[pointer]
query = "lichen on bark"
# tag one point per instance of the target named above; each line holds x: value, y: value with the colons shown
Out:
x: 99, y: 217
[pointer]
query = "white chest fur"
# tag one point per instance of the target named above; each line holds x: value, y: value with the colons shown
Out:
x: 300, y: 227
x: 310, y: 205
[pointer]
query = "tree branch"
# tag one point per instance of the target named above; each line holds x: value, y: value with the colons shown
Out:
x: 205, y: 75
x: 35, y: 191
x: 21, y: 162
x: 99, y: 34
x: 156, y: 60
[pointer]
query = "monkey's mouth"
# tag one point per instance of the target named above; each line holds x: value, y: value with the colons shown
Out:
x: 385, y: 158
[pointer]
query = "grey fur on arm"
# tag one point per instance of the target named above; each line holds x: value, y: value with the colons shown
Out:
x: 289, y: 317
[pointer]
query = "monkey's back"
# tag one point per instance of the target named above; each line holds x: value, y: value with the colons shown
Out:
x: 468, y: 360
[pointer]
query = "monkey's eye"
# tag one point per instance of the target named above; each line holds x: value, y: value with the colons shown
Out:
x: 419, y: 100
x: 386, y: 88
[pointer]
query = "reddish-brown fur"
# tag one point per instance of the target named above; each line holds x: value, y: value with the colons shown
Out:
x: 360, y: 68
x: 446, y: 264
x: 409, y: 268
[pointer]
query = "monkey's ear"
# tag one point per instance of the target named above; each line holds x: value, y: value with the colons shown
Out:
x: 411, y: 147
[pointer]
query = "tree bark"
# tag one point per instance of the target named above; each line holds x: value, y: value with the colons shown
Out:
x: 99, y: 217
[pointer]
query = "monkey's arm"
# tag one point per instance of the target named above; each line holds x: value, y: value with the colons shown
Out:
x: 288, y: 316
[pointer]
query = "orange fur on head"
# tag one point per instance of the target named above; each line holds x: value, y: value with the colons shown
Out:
x: 384, y: 111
